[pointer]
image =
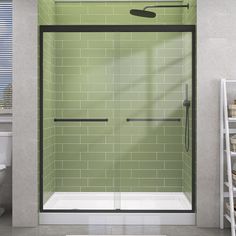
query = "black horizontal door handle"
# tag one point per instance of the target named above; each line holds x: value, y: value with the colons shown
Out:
x: 81, y: 120
x: 152, y: 119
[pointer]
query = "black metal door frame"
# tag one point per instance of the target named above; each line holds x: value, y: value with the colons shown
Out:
x: 122, y: 28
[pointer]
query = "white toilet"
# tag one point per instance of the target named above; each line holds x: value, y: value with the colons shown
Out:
x: 5, y: 156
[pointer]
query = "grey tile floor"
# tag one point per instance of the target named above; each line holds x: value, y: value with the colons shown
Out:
x: 62, y: 230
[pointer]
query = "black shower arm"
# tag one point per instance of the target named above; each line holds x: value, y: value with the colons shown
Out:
x: 166, y: 6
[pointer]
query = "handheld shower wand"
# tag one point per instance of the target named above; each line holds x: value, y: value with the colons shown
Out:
x: 186, y: 104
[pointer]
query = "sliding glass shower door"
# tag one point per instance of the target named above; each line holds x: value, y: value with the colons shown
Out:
x: 115, y: 134
x: 153, y: 74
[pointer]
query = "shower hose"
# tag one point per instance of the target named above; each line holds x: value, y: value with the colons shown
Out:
x: 187, y: 130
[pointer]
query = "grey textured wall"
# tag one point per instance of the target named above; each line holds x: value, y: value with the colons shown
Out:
x: 25, y: 44
x: 216, y: 49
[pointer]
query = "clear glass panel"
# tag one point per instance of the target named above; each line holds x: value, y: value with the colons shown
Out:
x: 81, y: 97
x: 155, y: 71
x: 114, y: 121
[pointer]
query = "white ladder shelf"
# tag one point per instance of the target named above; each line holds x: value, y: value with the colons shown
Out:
x: 225, y: 153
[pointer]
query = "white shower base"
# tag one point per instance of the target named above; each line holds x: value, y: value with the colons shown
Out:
x: 123, y: 201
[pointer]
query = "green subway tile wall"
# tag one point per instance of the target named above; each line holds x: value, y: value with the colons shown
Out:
x: 190, y: 17
x: 46, y: 12
x: 118, y: 13
x: 47, y: 16
x: 48, y: 114
x: 119, y: 76
x: 187, y: 162
x: 115, y: 76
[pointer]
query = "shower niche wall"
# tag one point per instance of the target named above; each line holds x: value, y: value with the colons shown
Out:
x: 114, y: 133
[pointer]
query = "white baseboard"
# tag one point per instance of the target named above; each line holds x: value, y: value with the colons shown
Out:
x: 118, y: 218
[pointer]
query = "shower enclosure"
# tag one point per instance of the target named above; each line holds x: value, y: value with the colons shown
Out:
x: 117, y: 118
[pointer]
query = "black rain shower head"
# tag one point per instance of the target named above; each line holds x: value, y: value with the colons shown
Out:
x: 150, y: 14
x: 142, y: 13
